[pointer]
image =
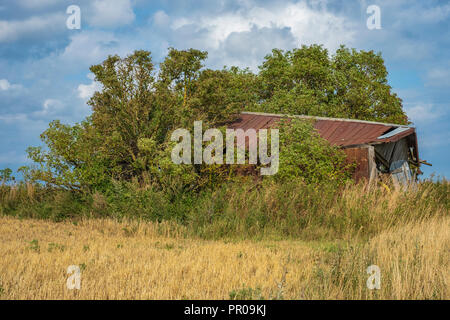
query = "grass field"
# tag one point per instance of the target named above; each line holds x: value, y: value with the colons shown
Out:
x: 145, y: 260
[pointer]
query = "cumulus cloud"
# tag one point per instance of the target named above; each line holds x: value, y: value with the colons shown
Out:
x: 88, y: 47
x: 244, y: 36
x: 438, y: 77
x: 5, y: 85
x: 247, y: 48
x: 86, y: 91
x: 36, y: 26
x: 423, y: 112
x: 160, y: 19
x: 110, y: 14
x: 306, y: 23
x: 32, y: 4
x: 50, y: 107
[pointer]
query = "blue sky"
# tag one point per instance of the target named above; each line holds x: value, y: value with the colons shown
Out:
x: 44, y: 66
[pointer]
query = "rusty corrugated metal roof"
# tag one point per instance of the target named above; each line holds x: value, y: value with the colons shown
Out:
x: 340, y: 132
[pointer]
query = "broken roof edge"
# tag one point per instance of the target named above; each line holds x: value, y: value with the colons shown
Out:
x: 325, y: 118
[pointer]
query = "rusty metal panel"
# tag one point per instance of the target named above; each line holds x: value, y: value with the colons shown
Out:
x: 328, y: 130
x: 320, y: 124
x: 361, y: 157
x: 352, y: 135
x: 240, y: 121
x: 347, y: 134
x: 249, y: 123
x: 262, y: 124
x: 255, y: 123
x: 369, y: 134
x: 341, y: 133
x: 338, y: 134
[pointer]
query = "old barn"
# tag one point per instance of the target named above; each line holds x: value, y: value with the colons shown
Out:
x: 377, y: 148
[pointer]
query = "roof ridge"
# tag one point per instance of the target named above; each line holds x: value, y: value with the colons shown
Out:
x: 326, y: 118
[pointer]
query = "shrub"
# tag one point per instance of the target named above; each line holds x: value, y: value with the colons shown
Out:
x: 305, y: 155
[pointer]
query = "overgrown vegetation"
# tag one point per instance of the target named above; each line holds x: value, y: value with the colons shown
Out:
x: 116, y: 163
x: 242, y: 209
x: 127, y: 137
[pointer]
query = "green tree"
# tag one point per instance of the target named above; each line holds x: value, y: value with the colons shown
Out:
x: 297, y: 82
x: 221, y: 94
x: 133, y: 116
x: 72, y: 158
x: 6, y: 176
x: 106, y: 145
x: 131, y: 106
x: 362, y: 90
x: 181, y: 69
x: 349, y: 84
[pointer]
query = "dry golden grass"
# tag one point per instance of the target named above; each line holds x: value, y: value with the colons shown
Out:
x: 149, y: 261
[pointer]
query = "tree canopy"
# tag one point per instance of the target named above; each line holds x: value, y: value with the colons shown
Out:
x: 349, y: 84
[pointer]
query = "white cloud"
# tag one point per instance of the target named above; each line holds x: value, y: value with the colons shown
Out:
x: 438, y: 77
x: 50, y: 107
x: 13, y: 118
x: 106, y: 13
x: 161, y: 19
x: 5, y: 85
x: 247, y: 49
x: 307, y: 24
x: 88, y: 47
x: 85, y: 91
x: 243, y: 37
x: 423, y: 112
x: 32, y: 4
x: 410, y: 14
x: 13, y: 30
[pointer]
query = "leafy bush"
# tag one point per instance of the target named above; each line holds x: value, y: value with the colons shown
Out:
x: 305, y: 155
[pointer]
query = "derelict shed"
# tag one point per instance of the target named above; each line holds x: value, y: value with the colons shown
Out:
x: 377, y: 148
